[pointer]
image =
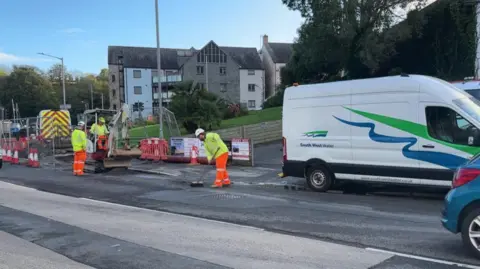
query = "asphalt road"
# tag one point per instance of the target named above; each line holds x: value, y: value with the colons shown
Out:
x: 399, y: 224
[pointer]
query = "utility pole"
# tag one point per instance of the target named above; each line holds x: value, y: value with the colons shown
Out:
x: 102, y: 101
x: 91, y: 96
x: 206, y: 72
x: 62, y: 74
x: 159, y: 71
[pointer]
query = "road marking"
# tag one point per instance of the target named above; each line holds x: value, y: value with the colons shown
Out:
x: 424, y: 258
x: 172, y: 214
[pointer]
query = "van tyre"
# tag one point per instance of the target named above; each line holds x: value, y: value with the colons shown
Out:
x: 468, y: 225
x: 319, y: 178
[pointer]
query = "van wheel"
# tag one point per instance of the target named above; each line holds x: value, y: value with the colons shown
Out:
x: 319, y: 178
x: 471, y: 232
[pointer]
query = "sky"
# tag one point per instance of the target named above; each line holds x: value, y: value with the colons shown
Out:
x: 81, y: 31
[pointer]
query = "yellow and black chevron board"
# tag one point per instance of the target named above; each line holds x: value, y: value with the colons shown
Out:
x: 55, y: 123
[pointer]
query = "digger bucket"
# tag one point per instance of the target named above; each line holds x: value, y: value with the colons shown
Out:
x: 121, y: 158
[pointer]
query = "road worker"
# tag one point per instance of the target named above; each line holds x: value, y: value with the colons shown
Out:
x: 216, y: 149
x: 101, y: 131
x: 79, y: 144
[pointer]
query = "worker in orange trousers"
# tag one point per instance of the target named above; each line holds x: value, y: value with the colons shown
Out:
x: 216, y: 149
x: 79, y: 144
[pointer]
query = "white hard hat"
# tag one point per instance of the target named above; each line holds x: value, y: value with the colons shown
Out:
x: 81, y: 123
x: 199, y: 131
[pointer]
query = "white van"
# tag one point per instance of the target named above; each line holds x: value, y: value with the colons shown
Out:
x: 408, y: 129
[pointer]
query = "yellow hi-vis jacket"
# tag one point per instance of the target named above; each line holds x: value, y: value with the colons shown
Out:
x: 99, y: 130
x: 79, y: 140
x: 212, y: 143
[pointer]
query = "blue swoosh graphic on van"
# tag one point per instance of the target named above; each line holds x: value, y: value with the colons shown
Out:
x: 446, y: 160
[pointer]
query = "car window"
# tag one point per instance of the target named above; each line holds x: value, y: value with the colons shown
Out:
x: 447, y: 125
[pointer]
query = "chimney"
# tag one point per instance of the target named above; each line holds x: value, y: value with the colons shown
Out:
x: 265, y: 39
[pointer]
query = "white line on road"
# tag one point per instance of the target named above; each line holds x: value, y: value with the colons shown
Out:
x: 172, y: 214
x: 424, y: 258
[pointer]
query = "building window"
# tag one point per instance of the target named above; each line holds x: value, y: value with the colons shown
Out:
x: 447, y: 125
x: 114, y: 92
x: 114, y: 107
x: 223, y: 87
x: 137, y: 90
x: 200, y: 86
x: 199, y: 70
x: 251, y: 103
x: 211, y: 54
x: 251, y: 87
x: 137, y: 73
x: 251, y: 72
x: 223, y: 70
x: 113, y: 78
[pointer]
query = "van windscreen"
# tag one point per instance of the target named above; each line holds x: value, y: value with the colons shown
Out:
x: 469, y: 105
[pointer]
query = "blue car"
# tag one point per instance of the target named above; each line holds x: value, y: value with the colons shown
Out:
x: 461, y: 213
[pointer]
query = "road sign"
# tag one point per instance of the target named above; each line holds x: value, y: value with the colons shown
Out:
x: 65, y: 107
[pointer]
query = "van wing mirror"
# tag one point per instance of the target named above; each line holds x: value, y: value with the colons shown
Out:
x: 474, y: 138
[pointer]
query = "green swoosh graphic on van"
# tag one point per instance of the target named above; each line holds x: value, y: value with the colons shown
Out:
x: 412, y: 128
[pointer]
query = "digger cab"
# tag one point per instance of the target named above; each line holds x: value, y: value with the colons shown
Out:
x: 117, y: 152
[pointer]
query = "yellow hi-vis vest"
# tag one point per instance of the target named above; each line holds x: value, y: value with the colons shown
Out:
x: 79, y: 140
x: 99, y: 130
x: 212, y: 143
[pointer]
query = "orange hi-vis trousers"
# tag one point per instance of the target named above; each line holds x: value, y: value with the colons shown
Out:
x: 102, y: 142
x: 79, y: 159
x: 222, y: 174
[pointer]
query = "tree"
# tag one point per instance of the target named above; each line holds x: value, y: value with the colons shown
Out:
x: 444, y: 46
x: 54, y: 74
x: 195, y: 107
x: 30, y: 90
x: 344, y: 38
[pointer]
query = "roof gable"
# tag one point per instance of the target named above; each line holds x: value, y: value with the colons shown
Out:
x: 280, y: 52
x: 246, y: 58
x: 143, y: 57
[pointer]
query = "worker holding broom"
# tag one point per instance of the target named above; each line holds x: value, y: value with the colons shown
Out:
x: 79, y: 144
x: 216, y: 149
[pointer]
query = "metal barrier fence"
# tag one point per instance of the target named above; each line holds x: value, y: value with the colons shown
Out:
x: 29, y: 140
x: 145, y: 124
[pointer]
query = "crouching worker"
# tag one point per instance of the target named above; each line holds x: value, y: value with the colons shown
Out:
x: 79, y: 144
x: 216, y: 149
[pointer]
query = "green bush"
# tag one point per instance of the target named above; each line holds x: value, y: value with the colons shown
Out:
x: 276, y: 100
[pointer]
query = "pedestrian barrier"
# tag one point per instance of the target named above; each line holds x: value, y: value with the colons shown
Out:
x: 154, y: 149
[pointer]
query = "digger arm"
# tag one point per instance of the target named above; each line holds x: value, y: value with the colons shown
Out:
x: 118, y: 123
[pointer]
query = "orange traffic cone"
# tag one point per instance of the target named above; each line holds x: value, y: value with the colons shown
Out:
x: 193, y: 156
x: 15, y: 156
x: 30, y: 158
x: 35, y: 162
x: 8, y: 156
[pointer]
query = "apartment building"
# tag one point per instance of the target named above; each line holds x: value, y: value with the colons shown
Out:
x: 233, y: 73
x: 274, y: 57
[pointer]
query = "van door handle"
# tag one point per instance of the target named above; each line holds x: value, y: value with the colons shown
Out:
x: 428, y: 146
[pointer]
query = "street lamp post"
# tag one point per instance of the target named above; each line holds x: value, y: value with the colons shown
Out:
x: 159, y: 74
x: 62, y: 74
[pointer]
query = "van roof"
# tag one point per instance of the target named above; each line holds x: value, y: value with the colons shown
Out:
x: 401, y: 83
x: 467, y: 85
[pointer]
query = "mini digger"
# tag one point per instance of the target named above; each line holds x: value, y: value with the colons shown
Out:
x: 118, y: 153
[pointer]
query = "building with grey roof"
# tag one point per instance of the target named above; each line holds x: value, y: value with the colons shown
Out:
x: 274, y: 57
x: 233, y: 73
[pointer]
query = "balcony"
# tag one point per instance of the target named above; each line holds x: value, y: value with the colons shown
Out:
x: 169, y: 78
